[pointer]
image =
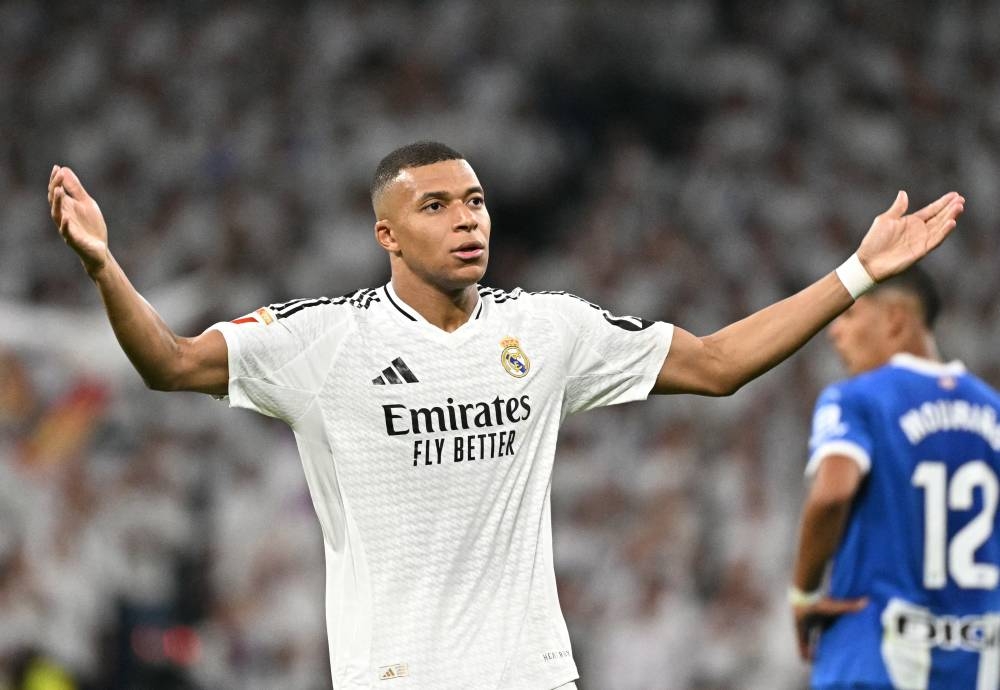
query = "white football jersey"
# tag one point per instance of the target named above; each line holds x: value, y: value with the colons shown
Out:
x: 429, y: 460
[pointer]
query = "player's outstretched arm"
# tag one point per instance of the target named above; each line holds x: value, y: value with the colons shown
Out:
x: 719, y: 364
x: 824, y: 517
x: 165, y: 360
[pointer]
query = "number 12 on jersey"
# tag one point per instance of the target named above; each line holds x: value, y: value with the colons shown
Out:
x: 957, y: 557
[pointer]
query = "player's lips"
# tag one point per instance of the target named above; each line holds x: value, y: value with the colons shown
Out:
x: 469, y: 251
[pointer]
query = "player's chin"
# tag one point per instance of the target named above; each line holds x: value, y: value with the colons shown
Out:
x: 468, y: 273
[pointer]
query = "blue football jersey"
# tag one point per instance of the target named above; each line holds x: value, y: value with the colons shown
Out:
x: 922, y: 540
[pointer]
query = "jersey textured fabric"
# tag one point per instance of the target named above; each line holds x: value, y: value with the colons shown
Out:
x: 429, y: 457
x: 921, y: 540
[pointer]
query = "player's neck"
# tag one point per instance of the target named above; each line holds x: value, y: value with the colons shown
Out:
x: 921, y: 345
x: 448, y: 310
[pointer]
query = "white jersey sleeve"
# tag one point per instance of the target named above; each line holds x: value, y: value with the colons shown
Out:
x: 279, y: 356
x: 611, y: 359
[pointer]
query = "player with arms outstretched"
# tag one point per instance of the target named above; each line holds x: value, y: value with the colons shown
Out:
x: 426, y: 413
x: 905, y: 457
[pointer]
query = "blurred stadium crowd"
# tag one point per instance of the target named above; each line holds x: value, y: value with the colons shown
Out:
x: 682, y: 160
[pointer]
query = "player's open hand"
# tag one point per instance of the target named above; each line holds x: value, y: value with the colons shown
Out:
x: 78, y: 218
x: 895, y: 241
x: 812, y: 618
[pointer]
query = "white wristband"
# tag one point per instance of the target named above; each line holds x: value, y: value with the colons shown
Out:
x: 800, y: 599
x: 854, y: 277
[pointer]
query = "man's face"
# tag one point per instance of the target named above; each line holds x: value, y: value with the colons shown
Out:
x: 861, y: 335
x: 433, y: 220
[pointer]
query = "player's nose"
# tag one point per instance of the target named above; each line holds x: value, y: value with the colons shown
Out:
x: 465, y: 219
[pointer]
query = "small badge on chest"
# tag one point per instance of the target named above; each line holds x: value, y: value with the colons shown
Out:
x: 515, y: 362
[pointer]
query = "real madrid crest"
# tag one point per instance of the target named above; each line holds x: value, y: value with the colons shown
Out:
x: 513, y: 359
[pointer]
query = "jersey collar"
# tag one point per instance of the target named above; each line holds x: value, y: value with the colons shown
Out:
x: 412, y: 314
x: 928, y: 367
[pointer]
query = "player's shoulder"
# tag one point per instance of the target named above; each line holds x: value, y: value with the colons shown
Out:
x: 521, y: 300
x: 832, y: 394
x: 982, y: 385
x: 561, y: 310
x: 358, y: 299
x: 512, y: 298
x: 839, y: 402
x: 978, y: 389
x: 544, y: 300
x: 870, y: 388
x: 312, y: 311
x: 566, y: 310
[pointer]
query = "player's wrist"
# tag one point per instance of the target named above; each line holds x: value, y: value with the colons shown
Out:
x: 855, y: 276
x: 97, y: 267
x: 802, y: 599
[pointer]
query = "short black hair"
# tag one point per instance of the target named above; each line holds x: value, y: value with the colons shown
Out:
x: 917, y: 282
x: 410, y: 156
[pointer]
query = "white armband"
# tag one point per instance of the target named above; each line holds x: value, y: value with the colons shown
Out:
x: 800, y: 599
x: 854, y: 277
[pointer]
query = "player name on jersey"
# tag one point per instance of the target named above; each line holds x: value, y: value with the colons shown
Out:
x: 951, y: 415
x: 451, y: 417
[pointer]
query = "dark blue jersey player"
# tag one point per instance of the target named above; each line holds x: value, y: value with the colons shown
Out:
x: 905, y: 461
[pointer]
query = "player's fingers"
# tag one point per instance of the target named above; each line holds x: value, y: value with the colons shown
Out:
x: 74, y: 189
x: 854, y: 605
x: 831, y: 608
x: 802, y: 638
x: 56, y: 204
x: 58, y: 182
x: 53, y: 183
x: 946, y: 219
x: 955, y: 208
x: 62, y: 208
x: 936, y: 206
x: 898, y: 207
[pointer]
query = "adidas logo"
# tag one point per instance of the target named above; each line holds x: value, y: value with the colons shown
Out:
x: 394, y: 671
x: 397, y: 372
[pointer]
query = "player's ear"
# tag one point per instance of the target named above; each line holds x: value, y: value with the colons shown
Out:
x: 898, y: 319
x: 385, y: 235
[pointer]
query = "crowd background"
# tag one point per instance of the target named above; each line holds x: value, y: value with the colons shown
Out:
x: 683, y: 160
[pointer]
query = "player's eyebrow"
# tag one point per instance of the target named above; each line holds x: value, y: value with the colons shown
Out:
x: 426, y: 196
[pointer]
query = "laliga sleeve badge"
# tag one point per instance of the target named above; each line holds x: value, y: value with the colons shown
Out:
x: 513, y: 359
x: 262, y: 315
x: 265, y: 316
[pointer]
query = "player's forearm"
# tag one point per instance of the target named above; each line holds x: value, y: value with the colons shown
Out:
x: 748, y: 348
x: 819, y: 536
x: 148, y: 342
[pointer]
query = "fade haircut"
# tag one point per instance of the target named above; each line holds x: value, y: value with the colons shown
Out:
x: 412, y: 155
x: 917, y: 282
